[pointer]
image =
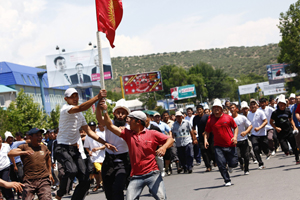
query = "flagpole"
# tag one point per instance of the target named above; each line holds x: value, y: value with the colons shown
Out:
x: 100, y: 61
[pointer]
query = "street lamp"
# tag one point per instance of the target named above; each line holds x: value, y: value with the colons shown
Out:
x: 40, y: 76
x: 57, y: 48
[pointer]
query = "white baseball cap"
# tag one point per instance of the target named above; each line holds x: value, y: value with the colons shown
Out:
x: 156, y: 114
x: 244, y: 104
x: 253, y: 100
x: 7, y: 135
x: 217, y: 102
x: 70, y: 91
x: 138, y: 115
x: 178, y: 113
x: 292, y: 95
x: 281, y: 99
x: 121, y: 104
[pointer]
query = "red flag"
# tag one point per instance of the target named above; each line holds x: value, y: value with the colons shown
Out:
x: 109, y: 16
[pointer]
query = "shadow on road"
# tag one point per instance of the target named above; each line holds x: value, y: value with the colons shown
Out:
x: 208, y: 188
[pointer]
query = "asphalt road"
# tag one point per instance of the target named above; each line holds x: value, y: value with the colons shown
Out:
x: 279, y: 180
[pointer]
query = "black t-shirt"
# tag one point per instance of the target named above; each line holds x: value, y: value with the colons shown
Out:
x: 200, y: 122
x: 282, y: 120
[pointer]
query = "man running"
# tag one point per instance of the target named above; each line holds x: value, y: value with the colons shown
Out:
x: 221, y: 126
x: 244, y: 127
x: 142, y: 145
x: 259, y: 138
x: 283, y: 123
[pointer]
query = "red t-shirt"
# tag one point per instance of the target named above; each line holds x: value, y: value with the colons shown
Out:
x: 222, y: 129
x: 142, y: 149
x: 298, y: 109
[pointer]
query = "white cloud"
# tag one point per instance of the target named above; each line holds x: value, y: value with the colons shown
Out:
x: 31, y: 29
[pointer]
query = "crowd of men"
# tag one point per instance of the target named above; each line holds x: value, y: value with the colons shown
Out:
x: 137, y: 149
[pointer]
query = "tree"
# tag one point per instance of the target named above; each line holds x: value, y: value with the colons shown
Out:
x: 289, y: 26
x: 24, y: 114
x: 54, y: 117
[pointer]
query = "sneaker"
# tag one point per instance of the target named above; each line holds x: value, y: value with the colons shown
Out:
x: 179, y: 170
x: 227, y: 184
x: 190, y: 171
x: 273, y: 153
x: 198, y: 163
x: 286, y: 153
x: 255, y: 162
x: 163, y: 174
x: 246, y: 173
x: 297, y: 162
x: 261, y: 167
x: 268, y: 156
x: 230, y: 170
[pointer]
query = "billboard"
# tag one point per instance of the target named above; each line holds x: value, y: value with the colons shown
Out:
x: 183, y: 92
x: 264, y: 88
x: 251, y: 88
x: 164, y: 104
x: 79, y: 69
x: 141, y: 83
x: 278, y: 72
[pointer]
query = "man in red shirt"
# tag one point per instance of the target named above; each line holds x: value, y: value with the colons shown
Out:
x: 142, y: 145
x: 221, y: 125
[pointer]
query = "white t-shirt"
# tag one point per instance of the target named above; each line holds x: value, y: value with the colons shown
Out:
x: 4, y: 159
x: 243, y: 123
x: 90, y: 143
x: 268, y: 112
x: 256, y: 120
x: 117, y: 141
x: 190, y: 119
x: 69, y: 125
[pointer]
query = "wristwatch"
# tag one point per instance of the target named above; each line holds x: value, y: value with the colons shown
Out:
x: 104, y: 111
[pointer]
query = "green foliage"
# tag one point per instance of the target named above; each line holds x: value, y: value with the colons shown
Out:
x: 54, y: 117
x: 24, y: 114
x: 235, y: 61
x: 90, y: 116
x: 114, y: 96
x: 289, y: 26
x: 148, y: 100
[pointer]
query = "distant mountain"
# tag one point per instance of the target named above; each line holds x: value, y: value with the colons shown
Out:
x: 234, y: 60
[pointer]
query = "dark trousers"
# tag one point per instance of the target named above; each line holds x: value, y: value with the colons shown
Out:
x: 283, y: 140
x: 260, y: 143
x: 186, y: 156
x: 17, y: 176
x: 208, y: 154
x: 226, y: 155
x: 74, y: 166
x: 7, y: 193
x: 40, y: 187
x: 197, y: 152
x: 272, y: 138
x: 114, y: 175
x: 243, y: 150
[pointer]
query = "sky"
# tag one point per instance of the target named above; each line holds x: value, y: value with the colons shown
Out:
x: 31, y: 29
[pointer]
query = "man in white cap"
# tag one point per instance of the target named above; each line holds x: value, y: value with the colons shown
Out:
x: 292, y: 100
x: 116, y: 165
x: 67, y: 152
x: 16, y: 167
x: 185, y: 139
x: 259, y: 138
x: 221, y: 125
x: 244, y: 108
x: 282, y: 122
x: 142, y: 145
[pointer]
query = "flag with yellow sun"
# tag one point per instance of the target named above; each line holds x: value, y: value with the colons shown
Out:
x: 109, y: 16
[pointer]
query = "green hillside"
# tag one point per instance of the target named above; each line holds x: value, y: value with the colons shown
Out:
x: 234, y: 60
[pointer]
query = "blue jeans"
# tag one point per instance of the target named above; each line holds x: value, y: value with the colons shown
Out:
x: 226, y: 155
x: 154, y: 182
x: 186, y: 156
x: 197, y: 152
